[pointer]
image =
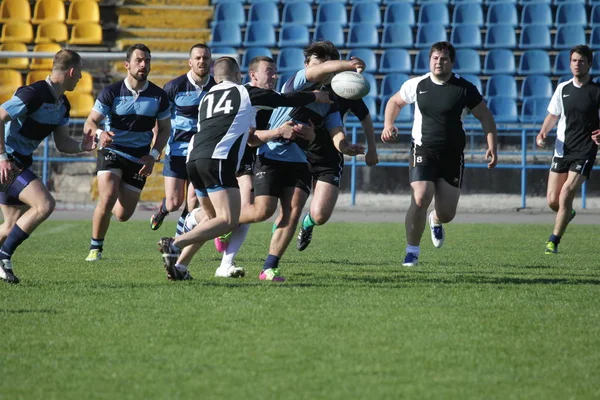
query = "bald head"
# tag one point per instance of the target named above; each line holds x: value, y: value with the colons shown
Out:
x: 226, y: 69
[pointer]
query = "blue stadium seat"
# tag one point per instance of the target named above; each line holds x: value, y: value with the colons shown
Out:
x: 362, y: 35
x: 412, y: 2
x: 352, y: 2
x: 332, y: 12
x: 596, y: 63
x: 290, y: 59
x: 595, y: 15
x: 568, y: 36
x: 565, y: 78
x: 571, y: 14
x: 330, y: 31
x: 265, y: 12
x: 391, y: 84
x: 559, y: 2
x: 367, y: 55
x: 500, y: 37
x: 260, y: 33
x: 226, y: 34
x: 534, y: 62
x: 466, y: 35
x: 534, y: 109
x: 467, y: 13
x: 504, y: 109
x: 536, y: 86
x: 490, y: 2
x: 399, y: 13
x: 536, y: 14
x: 262, y: 1
x: 223, y: 50
x: 252, y: 52
x: 231, y: 12
x: 421, y: 62
x: 465, y: 1
x: 501, y: 86
x: 430, y: 34
x: 405, y: 115
x: 373, y: 82
x: 334, y: 1
x: 365, y: 13
x: 298, y: 13
x: 300, y: 1
x: 595, y: 38
x: 499, y: 62
x: 467, y: 62
x: 395, y: 61
x: 535, y: 37
x: 227, y: 1
x: 562, y: 63
x: 371, y: 103
x: 397, y: 35
x: 502, y: 13
x: 434, y: 13
x: 293, y: 35
x: 525, y: 2
x: 283, y: 78
x: 474, y: 79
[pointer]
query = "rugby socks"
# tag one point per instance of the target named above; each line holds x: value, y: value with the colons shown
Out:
x: 308, y: 222
x: 554, y: 239
x: 163, y: 207
x: 181, y: 222
x: 14, y: 240
x: 96, y: 244
x: 271, y: 262
x: 416, y: 250
x: 236, y: 240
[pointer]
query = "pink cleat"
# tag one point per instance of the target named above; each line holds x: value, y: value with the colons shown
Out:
x: 222, y: 241
x: 271, y: 274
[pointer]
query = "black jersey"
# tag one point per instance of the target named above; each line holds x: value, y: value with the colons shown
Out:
x: 439, y: 108
x: 578, y: 108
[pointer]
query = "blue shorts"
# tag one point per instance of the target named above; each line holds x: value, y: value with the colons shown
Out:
x: 174, y: 167
x: 9, y: 195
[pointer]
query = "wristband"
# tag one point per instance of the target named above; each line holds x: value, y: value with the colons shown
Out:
x: 98, y: 133
x: 155, y: 154
x: 3, y: 156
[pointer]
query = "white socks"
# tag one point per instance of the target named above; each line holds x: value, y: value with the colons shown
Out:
x: 236, y: 240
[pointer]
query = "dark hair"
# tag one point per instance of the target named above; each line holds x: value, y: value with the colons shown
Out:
x: 134, y: 47
x: 584, y: 51
x: 200, y: 46
x: 441, y: 47
x: 66, y: 59
x: 256, y: 60
x: 321, y: 50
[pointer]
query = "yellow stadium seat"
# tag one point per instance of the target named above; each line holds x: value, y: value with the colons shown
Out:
x: 52, y: 32
x: 83, y: 11
x: 15, y: 10
x: 86, y: 33
x: 5, y: 96
x: 81, y: 104
x: 14, y: 63
x: 10, y: 80
x: 85, y: 84
x: 44, y: 63
x: 48, y: 11
x: 17, y: 32
x: 34, y: 76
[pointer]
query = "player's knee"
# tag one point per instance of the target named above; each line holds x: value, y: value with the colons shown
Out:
x: 45, y: 207
x: 263, y: 213
x: 173, y: 203
x: 123, y: 217
x: 320, y: 217
x: 422, y: 201
x: 445, y: 216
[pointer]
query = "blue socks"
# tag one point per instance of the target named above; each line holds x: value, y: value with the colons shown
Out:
x: 308, y: 222
x: 271, y: 262
x: 96, y: 244
x: 554, y: 239
x: 14, y: 240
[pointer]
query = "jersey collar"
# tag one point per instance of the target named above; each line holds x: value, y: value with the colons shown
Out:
x: 136, y: 93
x: 51, y: 86
x: 193, y: 82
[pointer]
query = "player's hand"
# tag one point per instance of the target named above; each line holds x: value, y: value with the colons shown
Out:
x: 493, y: 154
x: 353, y: 150
x: 357, y: 64
x: 322, y: 97
x: 7, y: 167
x: 540, y: 139
x: 371, y: 158
x: 287, y: 131
x: 389, y: 133
x: 596, y: 136
x: 146, y: 169
x: 305, y: 132
x: 88, y: 143
x: 105, y: 138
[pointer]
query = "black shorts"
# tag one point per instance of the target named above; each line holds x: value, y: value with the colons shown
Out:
x: 174, y: 167
x: 427, y: 165
x: 583, y: 167
x: 18, y: 180
x: 329, y: 171
x: 108, y: 160
x: 272, y: 176
x: 211, y: 175
x: 247, y: 162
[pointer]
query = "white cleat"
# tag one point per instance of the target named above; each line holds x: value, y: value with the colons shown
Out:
x: 230, y: 271
x: 438, y: 234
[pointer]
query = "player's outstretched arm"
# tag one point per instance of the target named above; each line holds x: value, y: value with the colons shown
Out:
x: 319, y: 72
x: 371, y: 158
x: 6, y: 166
x: 66, y: 144
x: 92, y: 127
x: 163, y: 132
x: 548, y: 124
x: 392, y: 109
x: 341, y: 143
x: 484, y: 115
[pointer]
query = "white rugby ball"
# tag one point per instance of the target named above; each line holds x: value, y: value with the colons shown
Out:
x: 350, y: 85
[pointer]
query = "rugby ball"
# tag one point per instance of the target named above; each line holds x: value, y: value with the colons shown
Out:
x: 350, y: 85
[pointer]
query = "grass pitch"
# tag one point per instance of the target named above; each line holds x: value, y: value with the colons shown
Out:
x: 488, y: 316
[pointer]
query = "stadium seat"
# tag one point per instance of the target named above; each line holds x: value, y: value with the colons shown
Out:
x: 500, y: 37
x: 399, y: 13
x: 15, y: 10
x: 467, y: 62
x: 405, y: 115
x: 15, y: 62
x: 421, y: 62
x: 365, y: 13
x: 332, y: 12
x: 35, y: 76
x: 368, y: 56
x: 565, y: 78
x: 229, y: 12
x: 293, y: 35
x: 467, y: 13
x: 44, y: 63
x: 595, y: 15
x: 298, y: 13
x: 411, y: 2
x: 290, y: 59
x: 536, y: 14
x: 503, y: 109
x: 430, y: 34
x: 534, y: 109
x: 395, y: 61
x: 391, y: 83
x: 83, y: 11
x: 474, y: 79
x: 226, y: 34
x: 466, y: 35
x: 490, y: 2
x: 433, y: 13
x: 502, y: 13
x: 81, y: 104
x: 86, y: 33
x: 371, y: 103
x: 561, y: 63
x: 596, y: 63
x: 373, y: 82
x: 397, y: 35
x: 330, y: 31
x: 10, y: 80
x: 260, y: 33
x: 534, y: 62
x: 252, y: 52
x: 362, y: 35
x: 17, y: 32
x: 265, y: 12
x: 571, y: 14
x: 499, y: 62
x: 535, y: 37
x: 536, y: 86
x: 48, y: 11
x: 5, y: 96
x: 50, y: 32
x: 595, y: 38
x: 85, y: 84
x: 224, y: 50
x: 568, y: 36
x: 283, y: 78
x: 455, y: 2
x: 501, y: 86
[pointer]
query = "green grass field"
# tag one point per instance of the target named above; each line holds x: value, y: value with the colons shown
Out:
x: 489, y: 316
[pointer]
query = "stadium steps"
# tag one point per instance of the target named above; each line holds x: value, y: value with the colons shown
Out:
x: 165, y: 45
x: 188, y: 3
x: 175, y: 34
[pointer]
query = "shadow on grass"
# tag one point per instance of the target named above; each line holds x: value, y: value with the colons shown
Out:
x: 472, y: 279
x: 26, y: 311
